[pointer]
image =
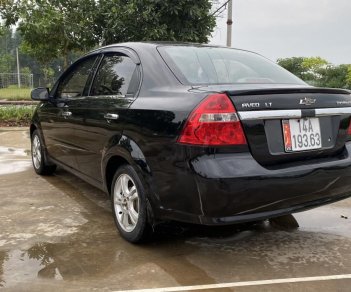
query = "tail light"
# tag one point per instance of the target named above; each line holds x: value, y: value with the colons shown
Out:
x: 214, y: 122
x: 349, y: 131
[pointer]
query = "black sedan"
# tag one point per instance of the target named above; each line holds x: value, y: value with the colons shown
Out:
x: 194, y: 133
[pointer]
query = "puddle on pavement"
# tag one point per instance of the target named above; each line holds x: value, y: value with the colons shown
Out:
x: 18, y: 138
x: 13, y: 160
x: 92, y: 254
x: 327, y: 219
x: 179, y: 255
x: 27, y: 262
x: 95, y: 256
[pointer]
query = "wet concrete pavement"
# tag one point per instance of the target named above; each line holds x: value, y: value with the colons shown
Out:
x: 57, y: 233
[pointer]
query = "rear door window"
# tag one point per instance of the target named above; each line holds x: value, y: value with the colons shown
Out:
x: 117, y: 75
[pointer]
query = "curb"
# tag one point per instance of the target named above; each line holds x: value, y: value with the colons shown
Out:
x: 18, y: 102
x: 8, y: 129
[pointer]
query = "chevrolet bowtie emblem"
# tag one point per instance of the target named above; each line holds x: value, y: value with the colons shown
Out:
x: 307, y: 101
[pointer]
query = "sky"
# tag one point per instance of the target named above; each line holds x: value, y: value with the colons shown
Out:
x: 288, y: 28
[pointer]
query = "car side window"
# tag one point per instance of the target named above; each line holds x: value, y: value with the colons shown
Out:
x: 117, y: 75
x: 74, y: 83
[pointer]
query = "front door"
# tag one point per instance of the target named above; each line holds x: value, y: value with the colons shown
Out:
x: 59, y: 115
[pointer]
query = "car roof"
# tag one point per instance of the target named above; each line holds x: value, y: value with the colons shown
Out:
x: 153, y: 44
x: 159, y: 43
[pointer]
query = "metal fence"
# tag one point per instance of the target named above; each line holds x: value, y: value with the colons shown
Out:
x: 14, y: 80
x: 40, y: 81
x: 14, y: 87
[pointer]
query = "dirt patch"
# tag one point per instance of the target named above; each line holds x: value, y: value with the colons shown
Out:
x: 10, y: 123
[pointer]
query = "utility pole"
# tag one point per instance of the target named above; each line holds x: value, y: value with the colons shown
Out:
x: 18, y: 70
x: 229, y: 23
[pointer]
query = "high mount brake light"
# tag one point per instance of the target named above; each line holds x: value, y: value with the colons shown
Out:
x: 214, y: 122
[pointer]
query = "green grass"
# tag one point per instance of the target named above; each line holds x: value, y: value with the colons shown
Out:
x: 16, y: 115
x: 14, y: 93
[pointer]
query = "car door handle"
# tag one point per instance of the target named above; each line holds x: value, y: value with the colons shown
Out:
x: 109, y: 116
x: 66, y: 114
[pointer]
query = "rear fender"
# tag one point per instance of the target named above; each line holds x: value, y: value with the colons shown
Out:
x: 127, y: 149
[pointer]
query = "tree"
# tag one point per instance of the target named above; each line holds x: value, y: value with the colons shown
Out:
x: 294, y: 65
x: 348, y: 77
x: 314, y: 68
x: 334, y: 76
x: 7, y: 59
x: 309, y: 69
x: 318, y: 71
x: 53, y: 28
x: 7, y: 63
x: 155, y: 20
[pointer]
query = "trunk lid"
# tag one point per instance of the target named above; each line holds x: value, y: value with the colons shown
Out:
x: 278, y: 119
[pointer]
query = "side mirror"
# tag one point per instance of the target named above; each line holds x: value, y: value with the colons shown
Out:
x: 40, y: 93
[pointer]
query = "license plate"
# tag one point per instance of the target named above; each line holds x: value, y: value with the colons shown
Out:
x: 302, y: 134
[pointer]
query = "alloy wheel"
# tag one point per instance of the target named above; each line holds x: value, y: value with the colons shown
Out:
x: 36, y: 152
x: 126, y: 202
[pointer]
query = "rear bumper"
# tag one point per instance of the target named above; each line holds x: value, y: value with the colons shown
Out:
x: 270, y: 214
x: 234, y: 188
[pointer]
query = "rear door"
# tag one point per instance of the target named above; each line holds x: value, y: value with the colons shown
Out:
x: 104, y: 113
x: 293, y: 124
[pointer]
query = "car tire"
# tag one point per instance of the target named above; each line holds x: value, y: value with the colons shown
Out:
x: 129, y: 205
x: 38, y: 156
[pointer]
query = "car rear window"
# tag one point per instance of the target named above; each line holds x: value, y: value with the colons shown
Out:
x: 213, y: 65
